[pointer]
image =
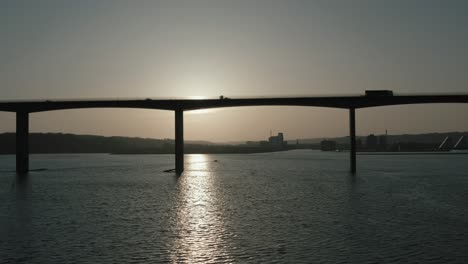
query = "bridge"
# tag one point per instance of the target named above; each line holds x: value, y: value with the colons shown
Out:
x: 350, y: 103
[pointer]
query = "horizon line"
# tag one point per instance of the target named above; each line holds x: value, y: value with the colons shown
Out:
x: 234, y: 141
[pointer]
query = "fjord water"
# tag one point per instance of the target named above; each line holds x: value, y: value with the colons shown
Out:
x: 286, y: 207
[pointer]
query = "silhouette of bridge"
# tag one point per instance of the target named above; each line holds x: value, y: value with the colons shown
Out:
x: 351, y: 103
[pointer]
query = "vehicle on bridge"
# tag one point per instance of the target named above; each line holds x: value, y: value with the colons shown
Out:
x: 379, y: 93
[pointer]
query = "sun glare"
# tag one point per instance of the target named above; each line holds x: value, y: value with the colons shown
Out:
x: 205, y: 86
x: 201, y: 111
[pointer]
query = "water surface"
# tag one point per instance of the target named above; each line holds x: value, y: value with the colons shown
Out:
x: 287, y: 207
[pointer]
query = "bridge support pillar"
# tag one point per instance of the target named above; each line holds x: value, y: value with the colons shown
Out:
x: 22, y: 142
x: 352, y: 140
x: 179, y: 141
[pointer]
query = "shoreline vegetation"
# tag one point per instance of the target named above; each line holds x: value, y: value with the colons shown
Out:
x: 58, y: 143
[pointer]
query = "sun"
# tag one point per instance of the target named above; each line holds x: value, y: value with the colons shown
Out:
x: 198, y: 85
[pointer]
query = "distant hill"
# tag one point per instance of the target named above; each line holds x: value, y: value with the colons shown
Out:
x: 71, y: 143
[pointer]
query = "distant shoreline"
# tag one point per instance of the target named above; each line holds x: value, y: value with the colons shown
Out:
x: 56, y: 143
x: 412, y: 153
x: 257, y: 152
x: 343, y: 151
x: 204, y: 152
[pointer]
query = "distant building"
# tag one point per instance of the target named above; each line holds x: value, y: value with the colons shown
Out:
x: 358, y: 143
x: 328, y: 145
x: 277, y: 141
x: 371, y: 142
x: 374, y: 142
x: 382, y: 142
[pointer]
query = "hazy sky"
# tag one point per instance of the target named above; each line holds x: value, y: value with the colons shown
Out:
x: 140, y: 49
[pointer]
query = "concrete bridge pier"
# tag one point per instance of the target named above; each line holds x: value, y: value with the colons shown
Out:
x: 352, y: 139
x: 22, y: 142
x: 179, y: 141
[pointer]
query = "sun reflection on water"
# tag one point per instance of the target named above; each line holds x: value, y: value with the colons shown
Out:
x: 200, y: 223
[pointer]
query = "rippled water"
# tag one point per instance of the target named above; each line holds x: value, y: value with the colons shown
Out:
x: 289, y: 207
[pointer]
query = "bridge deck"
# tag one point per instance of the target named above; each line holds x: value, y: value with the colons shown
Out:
x: 345, y: 102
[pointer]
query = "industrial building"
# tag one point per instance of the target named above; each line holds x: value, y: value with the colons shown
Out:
x: 277, y: 141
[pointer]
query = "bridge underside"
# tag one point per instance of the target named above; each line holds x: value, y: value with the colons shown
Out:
x: 22, y: 142
x: 23, y: 109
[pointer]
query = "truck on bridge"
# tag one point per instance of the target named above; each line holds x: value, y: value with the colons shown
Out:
x: 379, y: 93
